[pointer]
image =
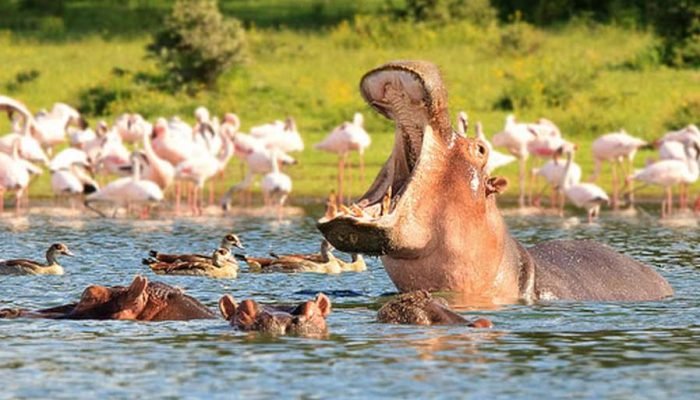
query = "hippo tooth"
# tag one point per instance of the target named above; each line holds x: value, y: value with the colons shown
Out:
x: 357, y: 211
x: 386, y: 202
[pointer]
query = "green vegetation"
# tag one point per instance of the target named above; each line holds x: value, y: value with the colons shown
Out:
x: 587, y: 77
x: 197, y: 45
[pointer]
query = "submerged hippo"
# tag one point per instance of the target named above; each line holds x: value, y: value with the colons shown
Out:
x: 420, y: 308
x: 141, y: 301
x: 306, y: 319
x: 431, y: 213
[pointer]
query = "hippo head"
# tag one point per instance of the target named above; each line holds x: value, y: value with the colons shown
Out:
x: 432, y: 199
x: 117, y: 302
x: 142, y: 301
x: 420, y: 308
x: 307, y: 319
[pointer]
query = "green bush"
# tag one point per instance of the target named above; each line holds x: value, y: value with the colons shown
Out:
x: 678, y: 24
x: 478, y: 12
x: 519, y: 38
x: 197, y: 44
x: 688, y: 112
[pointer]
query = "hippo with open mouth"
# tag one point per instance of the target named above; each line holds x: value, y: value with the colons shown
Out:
x: 431, y: 214
x: 141, y: 301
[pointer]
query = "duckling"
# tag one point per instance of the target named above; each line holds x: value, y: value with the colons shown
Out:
x: 324, y: 263
x: 28, y: 267
x: 230, y: 240
x: 220, y: 265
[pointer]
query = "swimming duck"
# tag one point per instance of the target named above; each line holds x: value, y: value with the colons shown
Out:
x: 230, y: 240
x: 323, y: 263
x: 28, y: 267
x: 220, y: 265
x: 357, y: 264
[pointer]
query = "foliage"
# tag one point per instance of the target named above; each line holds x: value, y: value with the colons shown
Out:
x: 678, y: 24
x: 197, y: 44
x: 478, y: 12
x: 687, y: 112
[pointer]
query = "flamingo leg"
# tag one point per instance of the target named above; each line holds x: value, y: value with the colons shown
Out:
x: 521, y: 181
x: 683, y: 196
x: 616, y: 189
x: 348, y: 168
x: 178, y: 193
x: 531, y: 186
x: 341, y: 173
x: 2, y: 200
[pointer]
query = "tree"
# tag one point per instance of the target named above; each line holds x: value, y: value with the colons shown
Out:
x: 197, y: 44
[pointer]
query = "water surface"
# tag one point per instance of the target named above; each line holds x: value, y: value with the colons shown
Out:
x: 552, y: 350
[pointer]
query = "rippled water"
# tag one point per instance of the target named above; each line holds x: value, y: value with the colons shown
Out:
x: 590, y: 350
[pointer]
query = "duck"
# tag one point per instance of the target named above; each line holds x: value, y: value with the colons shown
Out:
x: 228, y: 241
x: 219, y: 265
x: 356, y: 264
x: 323, y: 263
x: 28, y: 267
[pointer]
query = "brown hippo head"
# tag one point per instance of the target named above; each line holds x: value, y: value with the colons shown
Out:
x: 420, y: 308
x: 142, y: 300
x: 431, y: 212
x: 306, y: 319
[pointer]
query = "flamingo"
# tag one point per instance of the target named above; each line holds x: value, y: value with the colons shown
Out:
x: 206, y: 132
x: 126, y: 191
x: 50, y: 127
x: 668, y: 173
x: 614, y: 148
x: 347, y: 137
x: 72, y: 181
x: 14, y: 176
x: 672, y: 147
x: 583, y: 195
x: 280, y: 135
x: 159, y: 170
x: 553, y: 171
x: 200, y: 168
x: 276, y: 186
x: 29, y: 148
x: 132, y: 127
x: 259, y: 159
x: 515, y: 138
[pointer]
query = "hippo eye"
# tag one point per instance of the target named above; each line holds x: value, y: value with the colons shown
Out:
x: 481, y: 149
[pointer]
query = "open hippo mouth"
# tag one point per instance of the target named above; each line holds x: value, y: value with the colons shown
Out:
x: 410, y: 93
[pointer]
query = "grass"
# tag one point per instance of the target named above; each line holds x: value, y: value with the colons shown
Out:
x: 590, y: 80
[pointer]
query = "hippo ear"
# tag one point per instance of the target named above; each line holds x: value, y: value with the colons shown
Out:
x: 227, y: 307
x: 137, y: 288
x: 247, y: 312
x: 496, y: 184
x: 95, y: 294
x: 323, y: 303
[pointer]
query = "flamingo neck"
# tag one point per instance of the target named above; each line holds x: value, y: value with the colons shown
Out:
x: 564, y: 184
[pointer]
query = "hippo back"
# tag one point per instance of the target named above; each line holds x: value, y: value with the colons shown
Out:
x: 167, y: 303
x: 586, y: 270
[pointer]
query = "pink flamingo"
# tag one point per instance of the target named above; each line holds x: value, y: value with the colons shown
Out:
x: 126, y: 191
x: 515, y: 138
x: 14, y: 176
x: 588, y: 196
x: 347, y: 137
x: 614, y: 148
x: 668, y: 173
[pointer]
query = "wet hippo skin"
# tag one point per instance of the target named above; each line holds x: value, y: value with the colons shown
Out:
x: 431, y: 213
x: 141, y: 301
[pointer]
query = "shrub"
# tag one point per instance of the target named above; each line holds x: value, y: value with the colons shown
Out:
x: 197, y: 45
x: 688, y: 112
x: 478, y: 12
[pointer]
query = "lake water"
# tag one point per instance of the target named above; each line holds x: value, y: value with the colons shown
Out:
x: 572, y: 350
